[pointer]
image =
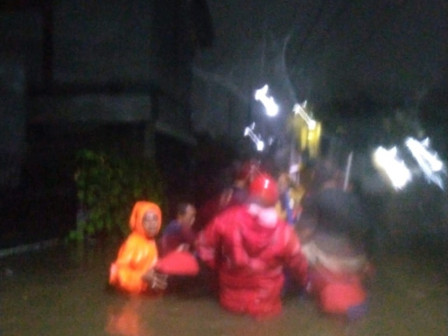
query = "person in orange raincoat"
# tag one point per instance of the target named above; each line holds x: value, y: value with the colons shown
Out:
x: 134, y: 269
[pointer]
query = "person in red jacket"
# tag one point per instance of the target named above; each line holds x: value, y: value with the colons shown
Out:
x: 134, y: 270
x: 249, y: 246
x: 178, y: 235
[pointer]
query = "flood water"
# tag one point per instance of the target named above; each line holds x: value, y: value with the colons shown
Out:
x: 61, y: 290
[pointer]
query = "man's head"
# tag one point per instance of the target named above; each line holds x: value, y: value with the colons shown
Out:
x: 186, y: 214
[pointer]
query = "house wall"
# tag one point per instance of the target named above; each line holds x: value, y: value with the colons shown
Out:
x: 12, y: 126
x: 95, y: 62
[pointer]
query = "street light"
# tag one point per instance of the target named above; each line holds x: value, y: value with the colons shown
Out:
x: 387, y: 160
x: 249, y: 131
x: 268, y: 102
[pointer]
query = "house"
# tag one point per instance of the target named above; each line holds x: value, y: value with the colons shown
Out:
x: 85, y: 74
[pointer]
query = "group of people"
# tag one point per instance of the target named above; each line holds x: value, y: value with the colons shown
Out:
x: 254, y: 240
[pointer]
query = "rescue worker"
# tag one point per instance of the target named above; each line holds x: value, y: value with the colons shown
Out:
x: 333, y: 226
x: 134, y: 269
x: 250, y: 246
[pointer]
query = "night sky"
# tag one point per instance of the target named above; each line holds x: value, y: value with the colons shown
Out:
x: 393, y: 51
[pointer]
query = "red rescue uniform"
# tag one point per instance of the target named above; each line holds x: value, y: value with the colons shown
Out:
x: 249, y: 255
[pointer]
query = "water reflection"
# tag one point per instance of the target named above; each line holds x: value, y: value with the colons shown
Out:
x: 62, y: 291
x: 126, y: 320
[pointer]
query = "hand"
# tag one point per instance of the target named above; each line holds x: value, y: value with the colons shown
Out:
x: 156, y: 280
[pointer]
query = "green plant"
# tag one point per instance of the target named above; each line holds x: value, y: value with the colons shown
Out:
x: 107, y: 188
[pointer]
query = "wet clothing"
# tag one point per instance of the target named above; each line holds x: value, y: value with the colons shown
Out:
x: 206, y: 213
x: 175, y: 235
x: 336, y: 250
x: 249, y: 253
x: 238, y: 195
x: 338, y: 293
x: 336, y: 253
x: 137, y: 255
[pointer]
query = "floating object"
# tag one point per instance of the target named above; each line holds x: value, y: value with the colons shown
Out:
x: 178, y: 263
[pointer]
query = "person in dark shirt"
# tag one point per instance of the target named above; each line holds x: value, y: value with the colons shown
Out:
x: 331, y: 210
x: 335, y: 224
x: 179, y: 235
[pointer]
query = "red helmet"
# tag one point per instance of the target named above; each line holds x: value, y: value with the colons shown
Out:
x: 264, y: 189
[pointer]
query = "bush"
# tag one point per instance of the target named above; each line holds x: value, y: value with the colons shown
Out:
x: 107, y: 188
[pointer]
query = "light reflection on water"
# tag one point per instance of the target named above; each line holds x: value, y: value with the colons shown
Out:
x: 62, y: 291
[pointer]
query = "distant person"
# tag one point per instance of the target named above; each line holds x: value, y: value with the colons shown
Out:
x: 238, y: 192
x: 234, y: 194
x: 290, y: 195
x: 331, y: 210
x: 249, y: 246
x: 178, y: 234
x: 134, y: 269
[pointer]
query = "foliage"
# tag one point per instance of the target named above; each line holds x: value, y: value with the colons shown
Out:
x: 107, y: 188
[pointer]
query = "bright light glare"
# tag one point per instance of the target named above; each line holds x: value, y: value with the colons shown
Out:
x: 429, y: 162
x: 259, y: 143
x: 393, y: 167
x: 268, y: 102
x: 300, y: 110
x: 293, y: 169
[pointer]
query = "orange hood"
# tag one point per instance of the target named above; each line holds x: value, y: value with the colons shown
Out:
x: 139, y: 210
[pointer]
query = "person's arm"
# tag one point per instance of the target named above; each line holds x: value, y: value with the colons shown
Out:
x: 156, y: 280
x: 133, y: 261
x: 207, y: 243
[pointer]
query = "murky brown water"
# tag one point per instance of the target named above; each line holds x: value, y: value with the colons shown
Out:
x: 61, y: 291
